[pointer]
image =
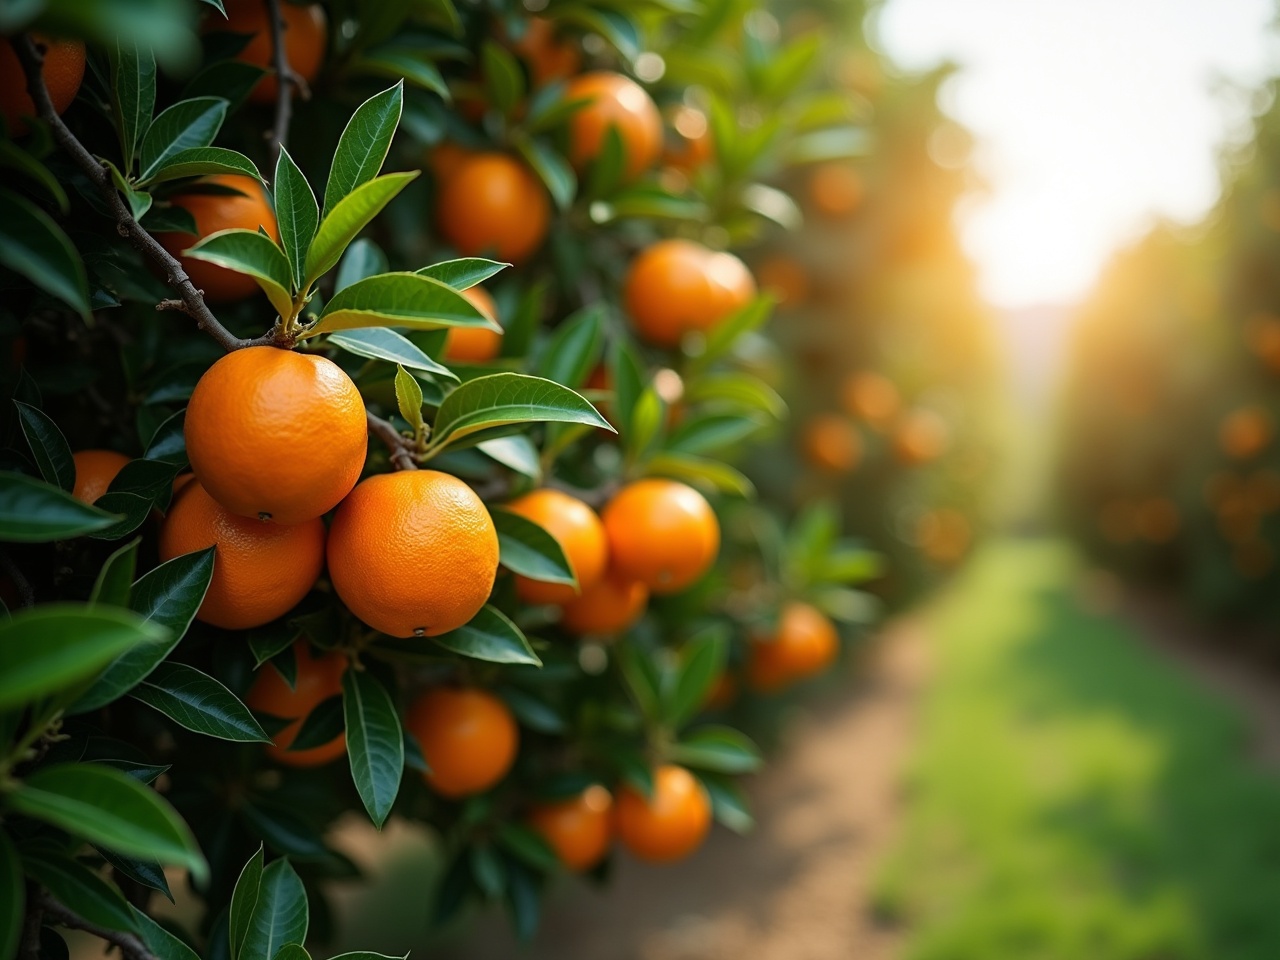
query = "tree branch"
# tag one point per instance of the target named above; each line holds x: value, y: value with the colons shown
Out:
x: 31, y: 56
x: 278, y: 138
x: 29, y: 945
x: 130, y: 945
x: 401, y: 450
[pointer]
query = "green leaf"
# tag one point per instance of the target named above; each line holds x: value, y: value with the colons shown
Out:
x: 379, y: 343
x: 35, y: 512
x: 32, y: 245
x: 702, y: 472
x: 702, y: 662
x: 80, y: 890
x: 835, y: 143
x: 11, y: 906
x: 487, y: 870
x: 463, y: 273
x: 50, y: 647
x: 280, y: 915
x: 48, y: 445
x: 200, y: 161
x: 508, y: 398
x: 530, y: 550
x: 626, y: 375
x: 847, y: 605
x: 490, y: 636
x: 722, y: 338
x: 363, y: 258
x: 851, y: 565
x: 230, y: 79
x: 529, y: 847
x: 167, y: 596
x: 109, y: 808
x: 148, y: 873
x: 718, y: 749
x: 399, y: 300
x: 198, y: 702
x: 15, y: 158
x: 574, y: 349
x: 728, y: 803
x: 152, y: 479
x: 616, y: 27
x: 375, y: 743
x: 515, y: 453
x: 651, y: 202
x: 712, y: 432
x: 139, y: 201
x: 346, y: 218
x: 169, y: 442
x: 647, y: 424
x: 254, y: 254
x: 115, y: 579
x: 322, y: 725
x: 186, y: 124
x: 163, y: 944
x: 133, y: 94
x: 533, y: 712
x: 503, y: 79
x: 409, y: 399
x: 739, y: 390
x: 132, y: 509
x: 405, y: 63
x: 244, y: 899
x: 293, y: 951
x: 552, y: 168
x: 362, y: 148
x: 296, y: 212
x: 641, y: 679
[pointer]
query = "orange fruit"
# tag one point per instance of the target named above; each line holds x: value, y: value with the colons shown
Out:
x: 921, y: 436
x: 693, y: 146
x: 672, y: 823
x: 474, y: 344
x: 606, y: 609
x: 492, y: 204
x: 446, y: 158
x: 261, y: 570
x: 468, y: 738
x: 247, y: 210
x: 1245, y: 432
x: 871, y: 397
x: 835, y: 190
x: 318, y: 679
x: 95, y: 469
x: 580, y: 534
x: 677, y: 286
x: 549, y: 57
x: 1262, y: 333
x: 944, y: 535
x: 662, y: 533
x: 276, y: 435
x: 613, y: 101
x: 804, y: 644
x: 413, y: 553
x: 181, y: 480
x: 785, y: 278
x: 62, y: 71
x: 831, y: 443
x: 306, y: 36
x: 578, y: 829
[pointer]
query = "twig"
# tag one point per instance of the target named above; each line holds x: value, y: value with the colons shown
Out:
x: 29, y: 945
x: 285, y: 82
x: 31, y: 56
x: 130, y: 945
x: 401, y: 450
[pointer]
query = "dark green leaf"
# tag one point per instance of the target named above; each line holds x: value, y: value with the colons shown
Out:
x: 163, y: 944
x: 293, y: 951
x: 297, y: 213
x: 528, y: 846
x: 361, y: 149
x: 169, y: 442
x: 132, y: 509
x: 80, y: 890
x: 244, y: 899
x: 375, y: 743
x: 503, y: 80
x: 48, y: 446
x: 186, y: 124
x: 552, y: 168
x: 363, y: 258
x: 285, y: 830
x: 202, y: 161
x: 32, y: 245
x: 230, y: 79
x: 490, y: 636
x: 12, y: 904
x: 146, y: 872
x: 115, y: 579
x: 718, y: 749
x: 530, y: 550
x: 321, y: 726
x: 280, y: 915
x: 405, y: 63
x: 268, y: 640
x: 702, y: 662
x: 574, y: 349
x: 532, y: 712
x: 199, y: 703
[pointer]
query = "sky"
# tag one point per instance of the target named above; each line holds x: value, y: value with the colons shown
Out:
x: 1092, y: 116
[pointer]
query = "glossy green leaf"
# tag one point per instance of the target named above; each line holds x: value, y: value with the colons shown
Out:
x: 464, y: 272
x: 12, y: 905
x: 509, y: 398
x: 133, y: 94
x: 132, y: 509
x: 346, y: 218
x: 169, y: 442
x: 196, y: 701
x: 626, y: 376
x: 80, y: 890
x: 319, y: 727
x: 380, y: 343
x: 110, y: 808
x: 408, y: 63
x: 702, y: 472
x: 202, y: 161
x: 244, y: 900
x: 363, y: 258
x: 254, y: 254
x: 163, y: 944
x: 293, y: 951
x: 147, y: 873
x: 186, y: 124
x: 115, y: 579
x: 408, y: 300
x: 574, y: 349
x: 48, y: 446
x: 516, y: 452
x: 736, y: 390
x: 34, y: 246
x: 530, y: 550
x: 270, y: 639
x: 297, y: 213
x: 362, y: 148
x: 409, y: 399
x: 702, y: 662
x: 712, y: 432
x: 718, y: 749
x: 552, y: 169
x: 490, y: 636
x: 375, y: 744
x: 280, y: 915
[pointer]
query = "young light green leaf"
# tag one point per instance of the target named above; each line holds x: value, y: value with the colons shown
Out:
x: 139, y: 201
x: 110, y: 808
x: 530, y: 550
x: 363, y: 258
x: 50, y: 647
x: 297, y: 213
x: 399, y: 300
x: 463, y: 273
x: 409, y: 398
x: 346, y: 218
x: 196, y: 701
x: 12, y: 907
x: 80, y: 890
x: 133, y: 94
x: 115, y: 579
x: 32, y: 511
x: 244, y: 899
x: 728, y: 803
x: 252, y: 253
x: 380, y: 343
x: 280, y: 915
x: 362, y: 148
x: 718, y: 749
x: 375, y: 743
x: 186, y: 124
x: 508, y: 398
x: 490, y: 636
x: 200, y: 161
x: 32, y: 245
x: 48, y: 446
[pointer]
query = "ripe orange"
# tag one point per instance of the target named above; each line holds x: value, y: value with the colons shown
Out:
x: 921, y: 436
x: 260, y: 571
x: 468, y: 738
x: 580, y: 534
x: 413, y: 553
x: 62, y: 71
x: 276, y: 435
x: 662, y: 533
x: 785, y: 278
x: 670, y: 825
x: 579, y: 829
x: 491, y: 203
x: 213, y: 212
x: 677, y: 286
x: 1245, y: 432
x: 95, y: 469
x: 805, y: 644
x: 306, y: 36
x: 474, y: 344
x: 871, y: 397
x: 693, y: 140
x: 613, y: 101
x: 319, y: 678
x: 606, y: 609
x: 548, y: 56
x: 831, y: 443
x: 835, y: 190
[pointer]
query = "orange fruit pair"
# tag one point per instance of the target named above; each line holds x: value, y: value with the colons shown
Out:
x: 474, y: 344
x: 804, y: 644
x: 413, y: 553
x: 661, y: 533
x: 260, y: 571
x: 672, y: 823
x: 618, y: 102
x: 306, y: 36
x: 95, y: 469
x: 580, y: 534
x: 63, y: 70
x: 831, y: 443
x: 468, y: 737
x: 491, y: 203
x: 275, y: 434
x: 318, y: 679
x: 676, y: 287
x: 578, y: 829
x: 247, y: 209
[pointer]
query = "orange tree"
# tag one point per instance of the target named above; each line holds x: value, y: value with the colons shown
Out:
x: 436, y: 540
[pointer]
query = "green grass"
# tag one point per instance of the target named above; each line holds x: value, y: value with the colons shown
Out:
x: 1073, y: 795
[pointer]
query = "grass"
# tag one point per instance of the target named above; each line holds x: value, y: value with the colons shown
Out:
x: 1074, y: 796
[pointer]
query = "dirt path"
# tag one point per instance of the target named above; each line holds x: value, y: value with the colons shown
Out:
x: 799, y: 887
